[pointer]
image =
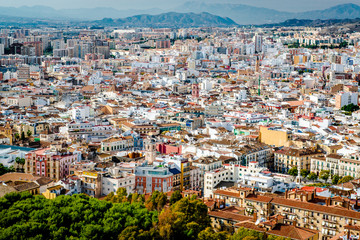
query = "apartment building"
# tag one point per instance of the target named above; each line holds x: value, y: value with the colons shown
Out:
x: 116, y: 179
x: 150, y: 178
x: 52, y: 164
x: 336, y: 164
x: 286, y: 158
x: 346, y: 98
x: 274, y: 136
x: 117, y: 144
x: 330, y: 216
x: 252, y: 175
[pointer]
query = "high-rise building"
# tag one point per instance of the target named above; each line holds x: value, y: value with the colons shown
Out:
x: 23, y: 73
x: 258, y: 43
x: 163, y: 44
x: 346, y: 98
x: 103, y: 50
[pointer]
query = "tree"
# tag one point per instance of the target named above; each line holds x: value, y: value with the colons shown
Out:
x: 185, y: 219
x: 156, y: 201
x: 345, y: 179
x: 312, y: 176
x: 24, y: 216
x: 16, y: 136
x: 324, y: 175
x: 22, y: 136
x: 343, y: 44
x: 293, y: 171
x: 209, y: 233
x: 350, y: 107
x: 175, y: 196
x: 244, y: 233
x: 3, y: 169
x: 304, y: 173
x: 335, y: 179
x: 273, y: 237
x: 20, y: 162
x: 29, y: 133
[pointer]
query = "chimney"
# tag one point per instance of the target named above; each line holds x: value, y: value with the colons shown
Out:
x: 255, y: 216
x: 286, y: 194
x: 327, y: 201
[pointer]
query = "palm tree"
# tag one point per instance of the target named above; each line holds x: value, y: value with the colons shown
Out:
x: 20, y: 161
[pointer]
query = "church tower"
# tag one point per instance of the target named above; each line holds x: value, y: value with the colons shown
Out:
x: 150, y: 151
x: 195, y: 90
x: 8, y: 132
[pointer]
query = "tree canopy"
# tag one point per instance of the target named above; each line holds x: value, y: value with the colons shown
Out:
x: 24, y: 216
x: 350, y: 107
x: 120, y: 216
x: 345, y: 179
x: 324, y: 175
x: 312, y: 176
x: 293, y: 171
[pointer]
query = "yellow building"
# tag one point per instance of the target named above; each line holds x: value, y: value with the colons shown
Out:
x: 273, y: 136
x: 52, y: 192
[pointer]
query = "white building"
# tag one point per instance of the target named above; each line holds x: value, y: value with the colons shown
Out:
x: 117, y: 179
x: 346, y: 98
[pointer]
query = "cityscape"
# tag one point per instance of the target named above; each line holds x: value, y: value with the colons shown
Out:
x: 180, y: 120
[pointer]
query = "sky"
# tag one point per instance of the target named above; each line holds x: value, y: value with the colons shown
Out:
x: 282, y: 5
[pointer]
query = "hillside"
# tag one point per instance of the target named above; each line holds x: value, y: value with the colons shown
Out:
x: 171, y: 19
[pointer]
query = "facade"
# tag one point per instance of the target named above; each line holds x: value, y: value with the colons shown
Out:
x: 149, y: 179
x: 286, y: 158
x: 336, y: 165
x: 273, y: 136
x: 117, y: 179
x: 117, y: 144
x: 50, y: 164
x: 298, y: 208
x: 91, y: 183
x: 346, y: 98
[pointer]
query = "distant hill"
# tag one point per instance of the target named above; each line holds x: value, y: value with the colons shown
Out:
x: 73, y: 14
x: 245, y: 14
x: 240, y: 13
x: 312, y: 23
x: 343, y: 11
x: 170, y: 19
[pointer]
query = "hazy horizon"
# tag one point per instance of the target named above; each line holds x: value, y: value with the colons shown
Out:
x: 281, y: 5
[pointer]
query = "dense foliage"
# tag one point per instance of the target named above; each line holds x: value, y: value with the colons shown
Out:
x: 350, y: 107
x: 4, y: 169
x: 24, y: 216
x: 345, y: 179
x: 123, y: 217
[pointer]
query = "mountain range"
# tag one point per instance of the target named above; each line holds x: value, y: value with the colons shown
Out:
x: 170, y: 19
x: 245, y: 14
x: 239, y: 13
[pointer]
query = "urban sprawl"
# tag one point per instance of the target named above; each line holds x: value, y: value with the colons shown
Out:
x: 260, y: 124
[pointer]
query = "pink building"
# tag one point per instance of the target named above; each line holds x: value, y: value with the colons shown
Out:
x: 195, y: 90
x: 50, y: 164
x: 164, y: 148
